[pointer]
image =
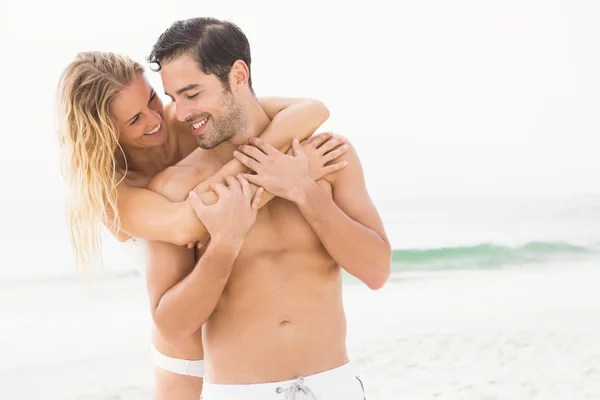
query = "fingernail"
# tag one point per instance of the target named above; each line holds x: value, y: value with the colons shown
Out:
x: 235, y: 152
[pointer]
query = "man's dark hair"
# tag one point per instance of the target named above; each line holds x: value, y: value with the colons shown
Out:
x: 213, y: 43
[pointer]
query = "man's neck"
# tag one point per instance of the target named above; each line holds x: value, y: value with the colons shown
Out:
x: 257, y: 123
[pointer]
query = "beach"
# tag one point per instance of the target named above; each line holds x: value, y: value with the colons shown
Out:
x: 479, y: 151
x: 518, y: 333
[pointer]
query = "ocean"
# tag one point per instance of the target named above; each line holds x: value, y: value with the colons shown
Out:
x: 427, y: 234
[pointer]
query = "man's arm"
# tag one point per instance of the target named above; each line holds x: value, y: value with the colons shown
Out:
x: 183, y: 296
x: 348, y: 225
x: 145, y: 214
x: 297, y: 116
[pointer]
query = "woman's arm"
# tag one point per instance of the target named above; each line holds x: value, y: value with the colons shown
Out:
x: 296, y: 118
x: 290, y: 118
x: 156, y: 215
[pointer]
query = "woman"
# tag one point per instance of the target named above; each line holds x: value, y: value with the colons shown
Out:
x: 116, y: 138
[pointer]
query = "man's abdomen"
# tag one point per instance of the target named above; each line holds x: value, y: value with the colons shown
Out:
x: 280, y: 317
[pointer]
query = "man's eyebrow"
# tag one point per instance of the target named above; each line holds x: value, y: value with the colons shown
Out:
x: 188, y: 87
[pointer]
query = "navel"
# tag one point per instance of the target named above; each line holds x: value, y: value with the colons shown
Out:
x: 284, y: 323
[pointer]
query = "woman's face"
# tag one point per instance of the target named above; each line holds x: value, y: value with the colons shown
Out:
x: 139, y: 113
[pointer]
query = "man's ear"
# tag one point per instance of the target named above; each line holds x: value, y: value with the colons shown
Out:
x: 239, y: 75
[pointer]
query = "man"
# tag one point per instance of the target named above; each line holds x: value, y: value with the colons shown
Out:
x: 272, y: 309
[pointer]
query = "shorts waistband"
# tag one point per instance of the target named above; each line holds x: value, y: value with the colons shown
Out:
x: 341, y: 374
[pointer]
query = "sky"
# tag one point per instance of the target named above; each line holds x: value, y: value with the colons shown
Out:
x: 440, y: 98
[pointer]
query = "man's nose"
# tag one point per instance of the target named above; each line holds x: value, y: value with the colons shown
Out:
x: 181, y: 113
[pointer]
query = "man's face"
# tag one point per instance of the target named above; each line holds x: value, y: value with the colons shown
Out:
x: 202, y: 101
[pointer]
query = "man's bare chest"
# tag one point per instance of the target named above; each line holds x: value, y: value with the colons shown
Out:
x: 280, y: 226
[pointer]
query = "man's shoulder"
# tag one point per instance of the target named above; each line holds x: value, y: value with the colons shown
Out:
x: 177, y: 172
x: 171, y: 179
x: 186, y: 174
x: 351, y: 157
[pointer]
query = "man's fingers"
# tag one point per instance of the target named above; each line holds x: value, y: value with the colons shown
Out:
x: 246, y: 189
x: 318, y: 140
x: 202, y: 243
x: 332, y: 155
x: 257, y: 198
x: 255, y: 179
x: 219, y: 189
x: 247, y: 161
x: 234, y: 185
x: 196, y: 203
x: 297, y: 148
x: 333, y: 168
x: 252, y: 151
x: 263, y: 145
x: 332, y: 144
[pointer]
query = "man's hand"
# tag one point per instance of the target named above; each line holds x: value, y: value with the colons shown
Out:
x: 229, y: 220
x: 322, y: 149
x: 287, y: 176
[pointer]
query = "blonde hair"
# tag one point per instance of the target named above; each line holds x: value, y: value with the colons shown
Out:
x: 92, y: 159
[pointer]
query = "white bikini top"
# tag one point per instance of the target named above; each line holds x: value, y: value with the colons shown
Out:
x: 136, y: 252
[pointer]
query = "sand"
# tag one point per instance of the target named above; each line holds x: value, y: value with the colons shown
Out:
x: 518, y: 334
